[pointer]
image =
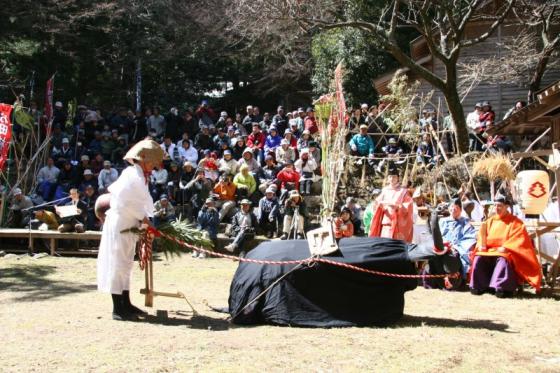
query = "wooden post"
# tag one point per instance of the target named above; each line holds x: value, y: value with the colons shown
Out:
x: 53, y: 246
x: 149, y: 290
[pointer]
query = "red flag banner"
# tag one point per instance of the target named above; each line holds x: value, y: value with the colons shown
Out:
x: 5, y: 133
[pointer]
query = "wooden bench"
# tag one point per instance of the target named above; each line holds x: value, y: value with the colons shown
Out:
x: 52, y: 236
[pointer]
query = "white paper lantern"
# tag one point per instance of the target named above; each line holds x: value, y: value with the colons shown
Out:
x: 533, y: 191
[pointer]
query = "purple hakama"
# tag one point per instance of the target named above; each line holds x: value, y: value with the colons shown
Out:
x: 493, y: 272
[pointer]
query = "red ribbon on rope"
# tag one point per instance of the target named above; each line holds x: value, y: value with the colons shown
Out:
x: 146, y: 254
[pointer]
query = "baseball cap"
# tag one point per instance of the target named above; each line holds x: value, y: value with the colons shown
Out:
x: 87, y: 172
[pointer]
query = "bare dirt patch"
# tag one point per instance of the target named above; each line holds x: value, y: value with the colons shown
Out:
x: 53, y: 319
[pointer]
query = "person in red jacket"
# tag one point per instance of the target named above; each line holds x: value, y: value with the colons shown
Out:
x: 310, y: 123
x: 343, y: 226
x: 288, y: 177
x: 256, y: 141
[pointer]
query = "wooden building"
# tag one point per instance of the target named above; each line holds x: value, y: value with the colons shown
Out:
x: 501, y: 96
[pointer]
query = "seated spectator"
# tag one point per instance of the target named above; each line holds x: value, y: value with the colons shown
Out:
x: 119, y: 152
x: 304, y: 140
x: 272, y: 140
x: 158, y: 182
x: 504, y: 255
x: 248, y: 160
x: 498, y: 143
x: 238, y: 148
x: 97, y: 164
x: 225, y: 190
x: 220, y: 138
x: 291, y: 138
x: 68, y: 177
x: 475, y: 128
x: 243, y: 227
x: 305, y: 166
x: 245, y: 182
x: 156, y: 122
x: 64, y: 153
x: 202, y: 140
x: 89, y: 198
x: 267, y: 175
x: 268, y: 214
x: 88, y: 180
x: 168, y: 149
x: 164, y: 212
x: 392, y: 152
x: 361, y: 144
x: 294, y: 214
x: 343, y: 226
x: 187, y: 153
x: 208, y: 220
x: 73, y: 223
x: 487, y: 116
x: 173, y: 180
x: 199, y: 189
x: 295, y: 130
x: 457, y: 230
x: 288, y: 179
x: 185, y: 136
x: 280, y: 120
x: 355, y: 210
x: 183, y: 196
x: 95, y: 144
x: 310, y: 123
x: 518, y: 106
x: 46, y: 219
x: 256, y: 141
x: 227, y: 164
x: 299, y: 119
x: 47, y: 178
x: 20, y: 202
x: 315, y: 152
x: 107, y: 145
x: 210, y: 165
x: 83, y: 165
x: 266, y: 122
x: 425, y: 153
x: 107, y: 176
x: 205, y: 114
x: 285, y: 153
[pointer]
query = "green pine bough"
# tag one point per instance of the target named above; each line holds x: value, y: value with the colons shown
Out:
x: 180, y: 230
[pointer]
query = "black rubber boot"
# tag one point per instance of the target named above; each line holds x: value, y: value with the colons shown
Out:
x: 120, y: 313
x: 132, y: 309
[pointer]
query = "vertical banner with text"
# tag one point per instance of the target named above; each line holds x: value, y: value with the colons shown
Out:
x: 5, y: 133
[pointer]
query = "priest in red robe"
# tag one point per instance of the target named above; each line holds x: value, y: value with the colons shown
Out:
x: 504, y: 256
x: 393, y: 210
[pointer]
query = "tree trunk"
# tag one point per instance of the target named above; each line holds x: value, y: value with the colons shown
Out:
x: 456, y: 110
x: 536, y: 79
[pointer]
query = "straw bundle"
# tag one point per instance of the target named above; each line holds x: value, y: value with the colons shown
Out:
x: 494, y: 167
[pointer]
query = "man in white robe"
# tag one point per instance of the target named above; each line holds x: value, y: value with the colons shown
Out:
x: 131, y: 205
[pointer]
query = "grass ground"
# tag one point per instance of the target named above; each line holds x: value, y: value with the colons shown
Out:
x: 53, y: 319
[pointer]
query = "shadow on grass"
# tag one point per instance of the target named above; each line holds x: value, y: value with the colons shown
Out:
x: 31, y: 283
x: 441, y: 322
x: 189, y: 320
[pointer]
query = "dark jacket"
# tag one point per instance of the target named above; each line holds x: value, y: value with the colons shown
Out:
x: 236, y: 222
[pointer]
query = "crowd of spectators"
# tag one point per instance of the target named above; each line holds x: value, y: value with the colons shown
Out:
x: 217, y: 164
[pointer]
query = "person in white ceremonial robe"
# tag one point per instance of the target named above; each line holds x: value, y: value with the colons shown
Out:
x: 131, y: 205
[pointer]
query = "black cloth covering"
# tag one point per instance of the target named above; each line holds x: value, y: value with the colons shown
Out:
x: 324, y: 295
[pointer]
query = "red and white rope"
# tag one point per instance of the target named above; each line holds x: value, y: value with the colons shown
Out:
x: 146, y: 246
